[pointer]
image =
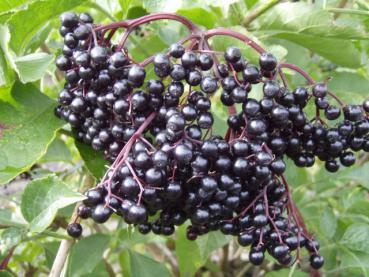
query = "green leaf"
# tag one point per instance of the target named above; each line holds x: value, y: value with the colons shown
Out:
x: 124, y: 4
x: 348, y: 86
x: 354, y: 260
x: 99, y: 270
x: 8, y: 218
x: 358, y: 174
x: 36, y: 16
x: 50, y: 248
x: 296, y: 176
x: 143, y: 266
x: 86, y: 254
x: 128, y: 237
x: 5, y: 16
x: 39, y: 38
x: 94, y: 160
x: 328, y: 223
x: 210, y: 242
x: 285, y: 273
x: 9, y: 238
x: 4, y: 273
x: 26, y: 136
x: 356, y: 237
x: 4, y: 70
x: 360, y: 207
x: 125, y: 263
x: 188, y: 254
x: 42, y: 199
x: 250, y: 3
x: 32, y: 67
x: 7, y: 5
x: 312, y: 28
x: 199, y: 16
x: 6, y: 74
x: 57, y: 151
x: 140, y: 52
x: 135, y: 12
x: 278, y: 51
x: 162, y: 5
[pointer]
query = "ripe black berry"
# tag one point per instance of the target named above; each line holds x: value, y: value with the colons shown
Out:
x: 316, y: 261
x: 74, y: 230
x: 267, y: 61
x: 232, y: 54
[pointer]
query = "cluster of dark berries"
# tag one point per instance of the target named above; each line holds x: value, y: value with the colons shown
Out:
x: 167, y: 165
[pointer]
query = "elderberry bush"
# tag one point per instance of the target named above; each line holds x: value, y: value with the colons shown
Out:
x: 167, y: 166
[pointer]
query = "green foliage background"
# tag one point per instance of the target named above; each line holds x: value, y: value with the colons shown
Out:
x: 327, y: 38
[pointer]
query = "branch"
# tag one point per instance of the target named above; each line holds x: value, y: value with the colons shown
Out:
x: 234, y: 34
x: 67, y: 244
x: 347, y: 11
x: 259, y: 11
x: 341, y: 5
x: 61, y: 257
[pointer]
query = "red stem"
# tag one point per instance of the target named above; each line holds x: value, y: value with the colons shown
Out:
x: 268, y: 215
x: 5, y: 262
x: 231, y: 33
x: 148, y: 18
x: 302, y: 72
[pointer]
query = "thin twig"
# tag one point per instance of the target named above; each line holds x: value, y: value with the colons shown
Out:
x: 61, y: 258
x: 259, y: 11
x: 66, y: 245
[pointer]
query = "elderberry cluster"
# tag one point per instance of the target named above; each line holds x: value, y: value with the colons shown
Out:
x: 167, y: 165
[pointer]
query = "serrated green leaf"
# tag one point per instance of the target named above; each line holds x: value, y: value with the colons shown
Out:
x: 210, y: 242
x: 359, y: 207
x: 302, y: 18
x: 351, y: 260
x: 37, y: 14
x: 250, y: 3
x: 139, y: 52
x: 312, y: 28
x: 94, y: 160
x: 6, y: 74
x: 125, y: 4
x: 9, y: 238
x: 4, y: 273
x: 328, y: 223
x: 285, y: 273
x: 125, y: 264
x: 143, y: 266
x: 57, y: 151
x: 129, y: 237
x: 32, y: 67
x: 278, y: 51
x: 26, y: 136
x: 99, y: 270
x: 50, y: 248
x: 162, y: 5
x: 349, y: 86
x: 4, y: 70
x: 7, y: 5
x: 5, y: 16
x: 188, y: 254
x: 8, y: 218
x: 86, y: 255
x: 358, y: 174
x: 42, y: 199
x: 356, y: 237
x: 39, y: 38
x: 135, y: 11
x: 199, y: 16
